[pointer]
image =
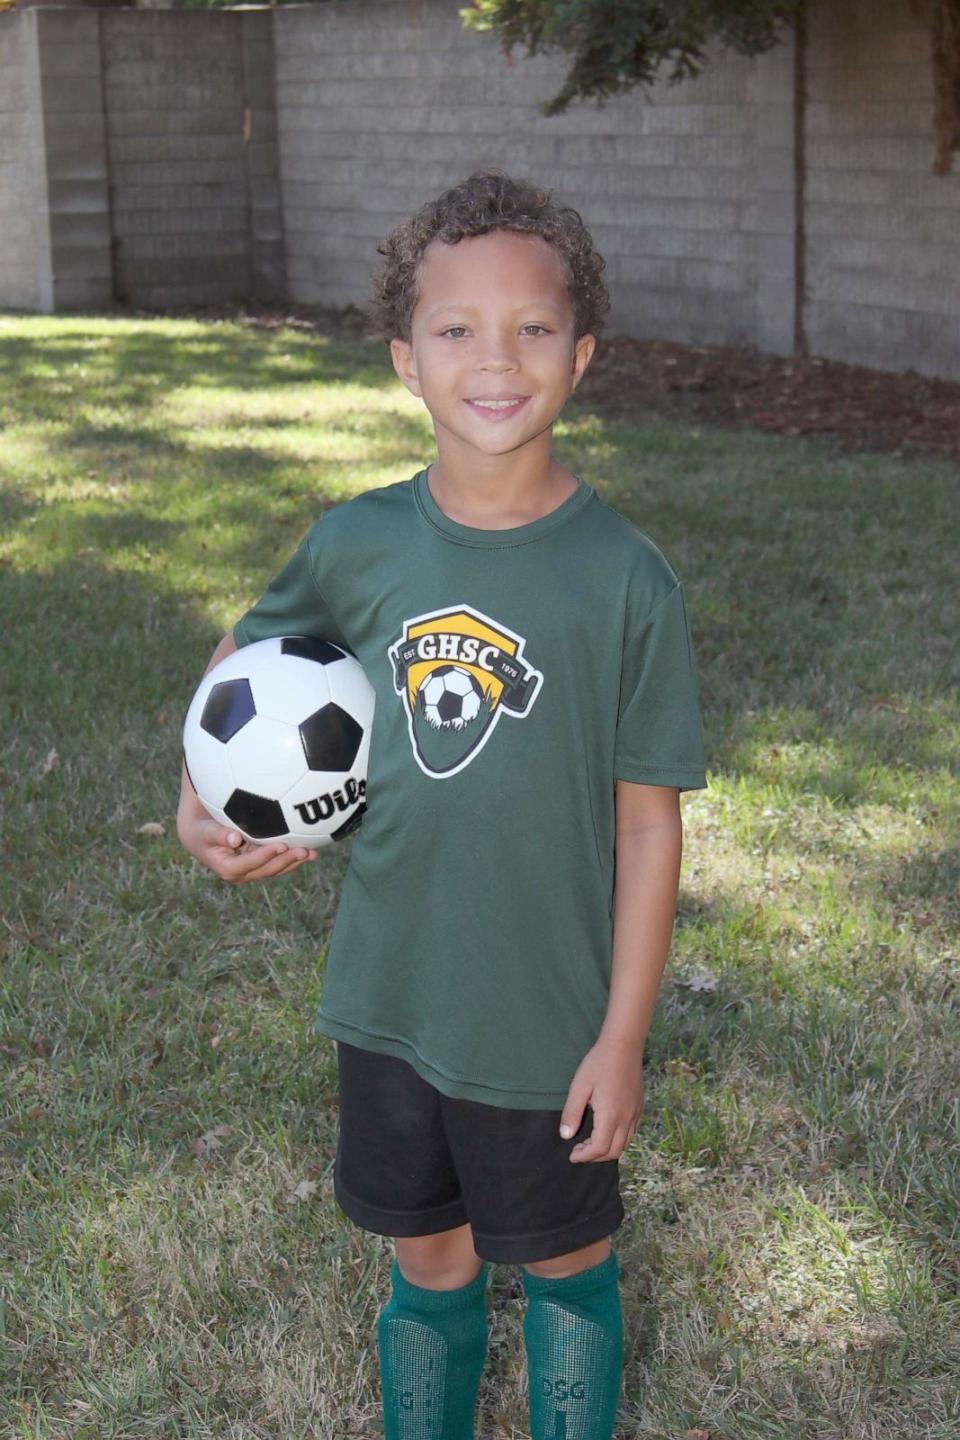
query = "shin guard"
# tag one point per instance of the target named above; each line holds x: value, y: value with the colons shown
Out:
x: 573, y: 1332
x: 432, y: 1346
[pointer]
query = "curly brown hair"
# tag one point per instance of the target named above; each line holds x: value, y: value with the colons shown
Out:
x: 487, y: 200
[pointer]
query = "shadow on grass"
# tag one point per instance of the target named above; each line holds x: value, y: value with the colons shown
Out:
x: 138, y: 368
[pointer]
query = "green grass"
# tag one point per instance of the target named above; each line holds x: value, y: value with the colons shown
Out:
x: 790, y: 1252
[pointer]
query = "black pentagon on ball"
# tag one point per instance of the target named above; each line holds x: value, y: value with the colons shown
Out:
x: 442, y: 670
x: 450, y: 705
x: 228, y: 708
x: 349, y: 826
x: 259, y: 817
x: 309, y: 648
x: 331, y: 738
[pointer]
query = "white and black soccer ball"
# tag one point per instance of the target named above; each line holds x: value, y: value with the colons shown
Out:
x: 276, y: 741
x: 451, y: 697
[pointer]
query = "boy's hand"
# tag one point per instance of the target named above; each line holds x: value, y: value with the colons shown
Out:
x: 226, y: 852
x: 609, y: 1079
x: 233, y: 858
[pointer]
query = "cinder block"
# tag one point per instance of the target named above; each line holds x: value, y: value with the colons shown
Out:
x: 258, y: 88
x: 77, y: 197
x: 907, y: 225
x: 179, y: 197
x: 80, y: 292
x: 841, y: 153
x: 369, y: 226
x: 713, y: 120
x: 178, y: 94
x: 13, y: 147
x: 78, y: 95
x: 180, y: 172
x: 143, y: 123
x: 776, y: 213
x: 777, y: 256
x: 412, y: 66
x: 87, y: 232
x: 214, y: 271
x: 850, y: 83
x: 871, y: 120
x: 65, y: 29
x: 82, y: 162
x: 890, y: 339
x: 60, y: 60
x: 263, y: 162
x: 265, y: 193
x: 81, y: 262
x: 775, y: 167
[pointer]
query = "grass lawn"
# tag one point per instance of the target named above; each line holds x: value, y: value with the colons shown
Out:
x: 790, y: 1254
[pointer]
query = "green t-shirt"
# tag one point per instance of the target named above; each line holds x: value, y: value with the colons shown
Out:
x: 518, y: 674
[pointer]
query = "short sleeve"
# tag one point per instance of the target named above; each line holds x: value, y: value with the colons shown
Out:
x: 659, y: 739
x: 292, y: 603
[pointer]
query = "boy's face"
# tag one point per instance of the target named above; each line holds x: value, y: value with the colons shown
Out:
x: 493, y: 320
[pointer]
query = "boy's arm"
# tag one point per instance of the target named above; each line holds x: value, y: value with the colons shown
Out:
x: 224, y: 851
x: 649, y: 843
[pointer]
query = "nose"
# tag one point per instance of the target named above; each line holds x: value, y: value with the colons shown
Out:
x: 498, y: 354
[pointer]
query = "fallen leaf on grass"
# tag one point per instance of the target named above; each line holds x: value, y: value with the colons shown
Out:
x: 680, y: 1067
x: 51, y: 763
x: 703, y: 981
x: 305, y: 1190
x: 152, y: 827
x: 210, y: 1141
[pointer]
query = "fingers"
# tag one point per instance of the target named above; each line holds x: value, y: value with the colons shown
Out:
x: 572, y: 1116
x: 238, y: 860
x: 250, y: 865
x: 606, y: 1141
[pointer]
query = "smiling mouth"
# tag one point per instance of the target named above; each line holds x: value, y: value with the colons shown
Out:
x: 498, y: 409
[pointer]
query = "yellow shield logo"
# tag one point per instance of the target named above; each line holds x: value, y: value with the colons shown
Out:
x: 457, y: 671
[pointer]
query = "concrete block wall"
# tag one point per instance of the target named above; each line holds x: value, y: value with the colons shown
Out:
x: 883, y: 232
x: 138, y: 159
x: 174, y: 101
x: 21, y: 150
x: 188, y: 157
x: 74, y: 142
x: 382, y: 104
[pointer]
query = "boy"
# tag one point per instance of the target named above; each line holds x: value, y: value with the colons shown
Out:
x: 508, y: 908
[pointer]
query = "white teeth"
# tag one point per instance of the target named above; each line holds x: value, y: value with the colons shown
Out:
x: 496, y: 404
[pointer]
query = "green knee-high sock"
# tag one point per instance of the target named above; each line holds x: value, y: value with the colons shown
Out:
x: 573, y: 1331
x: 432, y: 1346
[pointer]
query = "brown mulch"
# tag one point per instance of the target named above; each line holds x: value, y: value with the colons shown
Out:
x: 862, y: 409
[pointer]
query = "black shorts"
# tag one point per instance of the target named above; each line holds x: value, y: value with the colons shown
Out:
x: 413, y: 1161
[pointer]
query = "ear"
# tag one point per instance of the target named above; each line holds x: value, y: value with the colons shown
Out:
x: 401, y: 353
x: 582, y: 355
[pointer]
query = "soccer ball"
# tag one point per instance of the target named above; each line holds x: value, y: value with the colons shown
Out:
x: 451, y: 697
x: 276, y: 741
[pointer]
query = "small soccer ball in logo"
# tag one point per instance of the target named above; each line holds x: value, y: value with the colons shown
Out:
x: 451, y: 697
x: 276, y: 741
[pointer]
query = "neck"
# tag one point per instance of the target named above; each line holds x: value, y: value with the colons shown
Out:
x: 498, y: 492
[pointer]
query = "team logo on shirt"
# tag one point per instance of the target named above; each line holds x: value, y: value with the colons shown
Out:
x: 457, y: 671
